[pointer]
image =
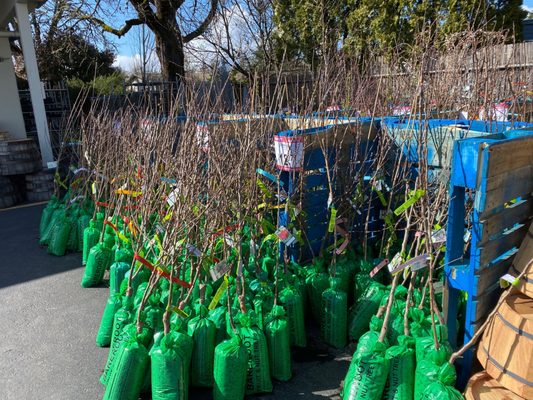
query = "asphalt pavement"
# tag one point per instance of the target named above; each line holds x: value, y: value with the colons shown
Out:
x: 48, y: 325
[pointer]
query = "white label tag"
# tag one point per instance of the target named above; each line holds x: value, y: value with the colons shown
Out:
x: 396, y: 260
x: 438, y: 287
x: 219, y: 270
x: 229, y: 240
x: 438, y: 236
x: 467, y: 236
x: 289, y: 152
x: 415, y: 263
x: 507, y: 280
x: 171, y: 199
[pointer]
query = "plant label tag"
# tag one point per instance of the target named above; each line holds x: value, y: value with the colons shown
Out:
x: 396, y: 260
x: 159, y: 228
x: 219, y: 270
x: 508, y: 280
x: 229, y: 240
x: 171, y: 199
x: 378, y: 267
x: 466, y: 237
x: 194, y: 250
x: 438, y: 287
x: 285, y: 236
x: 415, y: 263
x: 439, y: 236
x: 382, y: 214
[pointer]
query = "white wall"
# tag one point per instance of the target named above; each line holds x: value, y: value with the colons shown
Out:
x: 11, y: 119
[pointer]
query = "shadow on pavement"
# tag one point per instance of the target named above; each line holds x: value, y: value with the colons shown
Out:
x: 22, y: 258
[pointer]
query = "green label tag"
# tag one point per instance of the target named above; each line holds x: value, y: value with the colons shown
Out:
x: 332, y: 220
x: 415, y: 196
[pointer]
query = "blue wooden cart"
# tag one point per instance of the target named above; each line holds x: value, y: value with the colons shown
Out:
x: 490, y: 208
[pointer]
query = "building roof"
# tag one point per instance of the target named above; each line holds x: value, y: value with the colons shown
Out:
x: 7, y: 9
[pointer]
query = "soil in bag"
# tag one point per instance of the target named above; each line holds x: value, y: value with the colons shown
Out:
x: 258, y: 371
x: 170, y: 363
x: 278, y: 341
x: 231, y: 364
x: 129, y: 370
x: 292, y: 302
x: 105, y: 332
x: 361, y: 314
x: 99, y: 260
x: 203, y: 332
x: 401, y: 380
x: 91, y: 236
x: 334, y: 319
x: 367, y: 377
x: 59, y: 237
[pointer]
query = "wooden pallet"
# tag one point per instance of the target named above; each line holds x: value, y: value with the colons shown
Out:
x: 498, y: 172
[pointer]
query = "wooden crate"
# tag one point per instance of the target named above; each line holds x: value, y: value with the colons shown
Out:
x: 482, y: 387
x: 493, y: 174
x: 506, y: 349
x: 524, y: 255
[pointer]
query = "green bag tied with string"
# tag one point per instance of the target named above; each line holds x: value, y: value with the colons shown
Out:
x: 367, y: 376
x: 361, y: 314
x: 105, y: 332
x: 91, y: 236
x: 258, y: 371
x: 231, y: 365
x: 292, y: 302
x: 203, y: 332
x: 278, y: 341
x: 170, y: 363
x: 129, y: 370
x: 100, y: 258
x: 333, y: 326
x: 401, y: 380
x: 59, y: 235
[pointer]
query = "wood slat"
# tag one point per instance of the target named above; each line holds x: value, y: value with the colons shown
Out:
x: 507, y: 218
x: 525, y: 253
x: 525, y: 173
x: 496, y: 248
x: 510, y: 155
x: 485, y: 304
x: 489, y: 276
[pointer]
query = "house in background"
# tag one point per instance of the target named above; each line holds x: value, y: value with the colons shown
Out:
x: 527, y: 30
x: 11, y: 117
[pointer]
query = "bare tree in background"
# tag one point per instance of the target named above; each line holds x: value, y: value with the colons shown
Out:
x: 173, y: 22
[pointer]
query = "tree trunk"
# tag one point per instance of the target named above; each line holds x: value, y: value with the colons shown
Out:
x: 169, y: 47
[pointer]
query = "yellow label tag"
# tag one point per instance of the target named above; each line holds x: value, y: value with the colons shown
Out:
x: 93, y: 188
x: 122, y: 237
x: 219, y: 293
x: 167, y: 217
x: 128, y: 192
x: 180, y: 312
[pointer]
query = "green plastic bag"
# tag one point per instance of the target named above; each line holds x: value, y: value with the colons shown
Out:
x: 203, y: 332
x: 258, y: 372
x: 278, y: 341
x: 117, y: 272
x: 105, y: 332
x: 46, y: 215
x: 128, y: 332
x: 231, y: 364
x: 57, y: 244
x: 292, y: 302
x: 72, y: 242
x: 170, y: 363
x: 82, y: 223
x: 316, y: 282
x: 367, y: 376
x: 401, y: 381
x: 91, y: 236
x: 425, y: 346
x: 122, y: 318
x: 439, y: 391
x: 218, y: 316
x: 58, y: 214
x: 99, y: 260
x: 129, y: 370
x: 344, y: 273
x: 428, y: 372
x: 334, y: 315
x: 362, y: 312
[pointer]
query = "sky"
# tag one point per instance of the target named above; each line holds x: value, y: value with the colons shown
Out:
x: 128, y: 47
